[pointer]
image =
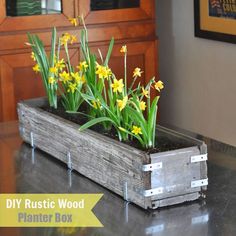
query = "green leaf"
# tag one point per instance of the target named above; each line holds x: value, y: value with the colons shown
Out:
x: 109, y: 52
x: 152, y: 112
x: 53, y: 47
x: 138, y: 119
x: 152, y: 120
x: 94, y: 122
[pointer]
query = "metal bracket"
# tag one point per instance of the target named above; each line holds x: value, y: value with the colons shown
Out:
x: 199, y: 183
x: 69, y: 162
x: 69, y: 177
x: 152, y: 192
x: 125, y: 189
x: 199, y: 158
x: 151, y: 167
x: 32, y: 139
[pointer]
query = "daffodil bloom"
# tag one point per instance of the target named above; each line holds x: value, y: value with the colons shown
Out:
x: 122, y: 103
x: 73, y: 39
x: 96, y: 104
x: 137, y: 72
x: 64, y: 77
x: 51, y: 80
x: 53, y: 70
x: 145, y: 92
x: 159, y: 85
x: 83, y: 80
x: 33, y: 56
x: 73, y: 21
x: 123, y: 49
x: 65, y: 38
x: 117, y: 85
x: 78, y: 79
x: 136, y: 130
x: 60, y: 65
x: 103, y: 72
x: 142, y: 105
x: 72, y: 87
x: 36, y: 68
x: 82, y: 66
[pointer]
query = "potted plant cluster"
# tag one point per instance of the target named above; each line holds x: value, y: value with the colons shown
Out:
x: 126, y: 151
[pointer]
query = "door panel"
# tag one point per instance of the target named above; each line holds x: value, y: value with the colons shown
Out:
x: 18, y: 82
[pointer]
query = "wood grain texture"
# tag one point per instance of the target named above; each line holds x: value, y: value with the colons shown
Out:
x: 113, y: 164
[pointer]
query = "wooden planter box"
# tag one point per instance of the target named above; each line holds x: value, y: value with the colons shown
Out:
x: 148, y: 180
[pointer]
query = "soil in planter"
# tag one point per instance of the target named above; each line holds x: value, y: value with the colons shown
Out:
x: 164, y: 142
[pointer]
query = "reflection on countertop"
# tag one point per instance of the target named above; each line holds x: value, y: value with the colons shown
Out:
x: 25, y: 170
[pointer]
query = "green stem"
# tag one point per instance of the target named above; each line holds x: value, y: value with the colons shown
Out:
x: 68, y: 57
x: 125, y: 72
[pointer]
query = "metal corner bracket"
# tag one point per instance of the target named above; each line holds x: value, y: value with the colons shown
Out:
x: 69, y: 162
x: 199, y: 158
x: 199, y: 183
x: 152, y: 192
x: 151, y: 167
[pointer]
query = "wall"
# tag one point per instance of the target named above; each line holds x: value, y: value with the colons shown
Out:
x: 199, y: 75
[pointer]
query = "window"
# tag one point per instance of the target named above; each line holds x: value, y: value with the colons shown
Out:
x: 33, y: 7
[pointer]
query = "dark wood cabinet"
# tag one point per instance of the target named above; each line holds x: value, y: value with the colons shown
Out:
x: 134, y: 26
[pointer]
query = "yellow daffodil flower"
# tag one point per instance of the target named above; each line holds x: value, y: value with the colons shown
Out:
x: 103, y: 72
x: 33, y: 56
x: 145, y: 92
x: 123, y: 49
x: 65, y: 38
x: 53, y: 70
x: 72, y: 88
x: 137, y: 72
x: 142, y: 105
x: 159, y: 85
x: 36, y: 68
x: 51, y: 80
x: 64, y: 77
x: 117, y: 85
x: 74, y: 21
x: 60, y: 65
x: 78, y: 79
x: 136, y: 130
x: 83, y: 80
x: 82, y: 66
x: 122, y: 103
x: 96, y: 104
x: 73, y: 39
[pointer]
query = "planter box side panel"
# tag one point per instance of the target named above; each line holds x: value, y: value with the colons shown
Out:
x: 103, y: 160
x: 176, y: 173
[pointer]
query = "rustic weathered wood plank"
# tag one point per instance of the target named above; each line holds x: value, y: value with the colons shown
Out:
x: 112, y: 164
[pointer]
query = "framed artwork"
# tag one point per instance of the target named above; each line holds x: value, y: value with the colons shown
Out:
x: 215, y: 19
